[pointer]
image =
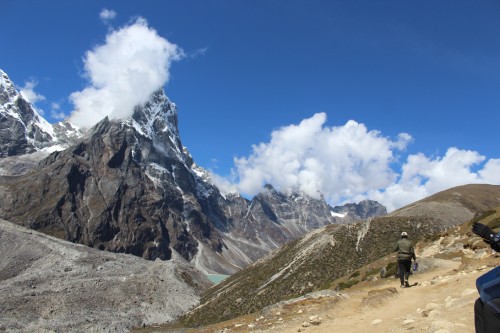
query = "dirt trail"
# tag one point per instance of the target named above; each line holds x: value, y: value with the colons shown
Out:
x: 441, y: 302
x: 449, y: 296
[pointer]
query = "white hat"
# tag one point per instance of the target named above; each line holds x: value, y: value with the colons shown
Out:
x: 404, y: 234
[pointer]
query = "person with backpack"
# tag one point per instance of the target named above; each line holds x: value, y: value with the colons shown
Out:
x: 406, y: 252
x: 487, y: 306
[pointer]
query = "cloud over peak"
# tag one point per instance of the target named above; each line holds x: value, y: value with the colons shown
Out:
x: 123, y: 72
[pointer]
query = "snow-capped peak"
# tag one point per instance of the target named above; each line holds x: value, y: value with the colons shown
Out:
x: 8, y: 91
x: 23, y: 130
x: 157, y: 115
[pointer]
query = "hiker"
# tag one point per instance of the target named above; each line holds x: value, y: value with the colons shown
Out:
x: 405, y: 250
x: 487, y: 306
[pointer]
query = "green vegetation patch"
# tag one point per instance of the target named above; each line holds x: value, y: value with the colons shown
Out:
x: 495, y: 223
x: 347, y: 284
x: 391, y: 269
x: 370, y: 272
x: 355, y: 274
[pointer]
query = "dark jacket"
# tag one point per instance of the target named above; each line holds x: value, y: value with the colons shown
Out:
x: 405, y: 250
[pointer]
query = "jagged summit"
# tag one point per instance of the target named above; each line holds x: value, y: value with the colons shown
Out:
x: 157, y: 116
x: 363, y: 210
x: 22, y: 129
x: 8, y: 92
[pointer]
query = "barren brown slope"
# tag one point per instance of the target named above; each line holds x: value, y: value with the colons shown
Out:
x: 475, y: 196
x: 461, y: 202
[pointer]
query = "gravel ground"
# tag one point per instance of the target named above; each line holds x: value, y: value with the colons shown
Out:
x: 50, y: 285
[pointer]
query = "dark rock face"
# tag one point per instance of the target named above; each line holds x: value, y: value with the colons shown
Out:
x: 126, y: 188
x: 361, y: 211
x: 94, y: 194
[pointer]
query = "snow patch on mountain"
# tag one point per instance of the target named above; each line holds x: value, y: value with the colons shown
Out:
x: 338, y: 214
x: 365, y: 226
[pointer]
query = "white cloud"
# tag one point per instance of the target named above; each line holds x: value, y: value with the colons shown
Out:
x: 124, y: 72
x: 349, y: 163
x: 338, y: 162
x: 107, y: 15
x: 491, y: 171
x: 423, y: 176
x: 28, y: 92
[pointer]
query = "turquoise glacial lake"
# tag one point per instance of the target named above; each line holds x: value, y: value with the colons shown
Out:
x: 216, y: 278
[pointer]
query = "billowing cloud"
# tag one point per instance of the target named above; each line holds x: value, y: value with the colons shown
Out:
x: 107, y: 15
x: 28, y: 92
x: 337, y: 162
x: 123, y: 72
x: 422, y: 176
x: 350, y: 163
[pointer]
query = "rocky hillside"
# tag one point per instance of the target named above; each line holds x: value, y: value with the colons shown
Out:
x: 50, y: 285
x: 129, y: 185
x: 315, y: 260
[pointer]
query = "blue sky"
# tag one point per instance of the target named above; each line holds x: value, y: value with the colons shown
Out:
x: 266, y: 90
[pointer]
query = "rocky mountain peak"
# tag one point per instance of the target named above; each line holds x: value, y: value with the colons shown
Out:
x: 23, y: 130
x: 362, y: 211
x: 8, y: 91
x: 158, y: 115
x: 156, y: 122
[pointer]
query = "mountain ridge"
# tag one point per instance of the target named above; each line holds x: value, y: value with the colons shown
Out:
x: 129, y: 185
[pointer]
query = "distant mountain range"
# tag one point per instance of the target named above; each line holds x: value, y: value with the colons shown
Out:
x: 129, y: 185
